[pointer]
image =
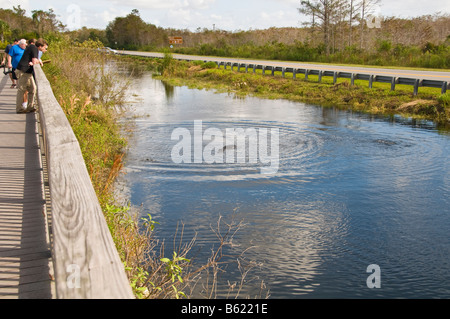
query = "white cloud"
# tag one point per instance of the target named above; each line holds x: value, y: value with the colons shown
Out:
x: 109, y: 15
x: 273, y: 16
x: 165, y: 4
x: 9, y: 4
x: 198, y: 4
x: 219, y: 22
x: 147, y: 4
x: 183, y: 17
x: 413, y: 8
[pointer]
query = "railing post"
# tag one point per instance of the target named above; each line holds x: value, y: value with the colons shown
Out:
x: 416, y: 87
x: 335, y: 76
x: 444, y: 87
x: 393, y: 82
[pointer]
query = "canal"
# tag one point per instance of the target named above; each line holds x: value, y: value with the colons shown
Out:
x: 344, y: 191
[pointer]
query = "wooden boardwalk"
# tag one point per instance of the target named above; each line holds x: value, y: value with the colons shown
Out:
x: 25, y: 256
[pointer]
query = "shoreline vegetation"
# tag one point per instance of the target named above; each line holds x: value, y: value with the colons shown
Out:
x: 429, y: 104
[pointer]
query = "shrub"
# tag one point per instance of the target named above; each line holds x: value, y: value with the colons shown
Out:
x: 209, y: 65
x: 444, y: 99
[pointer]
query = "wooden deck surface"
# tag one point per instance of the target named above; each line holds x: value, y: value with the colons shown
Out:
x: 25, y: 256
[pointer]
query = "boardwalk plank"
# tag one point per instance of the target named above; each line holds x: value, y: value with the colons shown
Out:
x: 25, y: 256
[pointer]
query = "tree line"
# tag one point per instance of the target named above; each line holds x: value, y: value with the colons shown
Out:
x: 347, y: 23
x: 342, y: 31
x: 14, y: 23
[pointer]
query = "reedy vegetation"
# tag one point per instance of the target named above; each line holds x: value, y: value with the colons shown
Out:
x: 89, y: 95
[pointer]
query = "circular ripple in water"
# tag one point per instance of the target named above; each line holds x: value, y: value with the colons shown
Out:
x: 271, y: 150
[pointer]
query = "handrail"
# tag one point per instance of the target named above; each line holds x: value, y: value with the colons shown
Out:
x: 87, y: 264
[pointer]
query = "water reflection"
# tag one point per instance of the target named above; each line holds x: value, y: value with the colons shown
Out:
x: 169, y: 89
x: 351, y: 190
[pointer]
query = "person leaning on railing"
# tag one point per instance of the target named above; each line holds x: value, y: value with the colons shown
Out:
x: 14, y: 53
x: 24, y: 73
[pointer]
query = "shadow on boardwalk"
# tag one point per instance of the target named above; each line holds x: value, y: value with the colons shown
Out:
x: 25, y: 257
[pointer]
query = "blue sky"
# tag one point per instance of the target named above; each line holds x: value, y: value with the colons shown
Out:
x: 192, y: 14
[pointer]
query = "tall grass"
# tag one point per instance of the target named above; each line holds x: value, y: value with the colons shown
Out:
x: 89, y: 94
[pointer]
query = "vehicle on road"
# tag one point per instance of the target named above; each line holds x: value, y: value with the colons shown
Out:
x: 107, y: 50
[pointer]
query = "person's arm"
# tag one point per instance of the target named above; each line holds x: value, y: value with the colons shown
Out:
x: 34, y: 61
x: 5, y: 56
x: 9, y: 62
x: 35, y: 56
x: 40, y: 58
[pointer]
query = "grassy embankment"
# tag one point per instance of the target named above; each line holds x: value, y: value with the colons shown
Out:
x: 429, y: 104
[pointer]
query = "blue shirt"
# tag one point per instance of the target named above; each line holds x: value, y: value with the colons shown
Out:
x: 16, y: 53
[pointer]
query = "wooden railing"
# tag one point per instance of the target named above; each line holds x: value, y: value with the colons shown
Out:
x: 85, y: 259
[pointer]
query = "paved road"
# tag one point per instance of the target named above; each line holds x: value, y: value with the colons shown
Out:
x: 414, y: 74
